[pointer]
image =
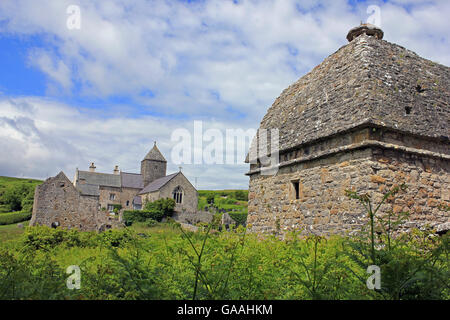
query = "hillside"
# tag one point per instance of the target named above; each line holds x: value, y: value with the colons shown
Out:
x: 16, y: 199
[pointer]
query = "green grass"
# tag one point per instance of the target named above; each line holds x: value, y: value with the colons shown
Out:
x: 224, y: 199
x: 11, y: 231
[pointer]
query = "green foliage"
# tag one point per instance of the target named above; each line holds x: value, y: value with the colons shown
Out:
x: 239, y: 217
x: 165, y: 206
x: 155, y: 210
x: 413, y: 265
x: 17, y: 194
x: 131, y: 216
x: 117, y: 208
x: 166, y: 262
x: 162, y: 261
x: 14, y: 217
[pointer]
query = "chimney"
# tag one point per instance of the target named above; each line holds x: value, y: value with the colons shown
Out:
x: 92, y: 167
x: 116, y: 170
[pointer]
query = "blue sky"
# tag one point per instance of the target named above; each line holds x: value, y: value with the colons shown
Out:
x: 136, y: 71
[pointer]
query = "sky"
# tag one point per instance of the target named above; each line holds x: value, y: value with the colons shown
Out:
x: 102, y: 82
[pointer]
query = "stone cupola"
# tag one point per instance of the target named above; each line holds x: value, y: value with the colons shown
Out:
x: 365, y: 28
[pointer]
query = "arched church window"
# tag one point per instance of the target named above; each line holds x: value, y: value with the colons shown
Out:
x: 178, y: 195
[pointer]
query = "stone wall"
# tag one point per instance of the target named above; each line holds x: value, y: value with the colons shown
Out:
x: 323, y: 206
x: 105, y: 193
x: 128, y: 194
x: 190, y: 195
x: 150, y: 197
x: 58, y: 203
x: 152, y: 170
x: 193, y: 218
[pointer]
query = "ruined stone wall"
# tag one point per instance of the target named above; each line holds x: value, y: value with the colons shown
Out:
x: 58, y: 201
x: 193, y: 218
x: 324, y: 208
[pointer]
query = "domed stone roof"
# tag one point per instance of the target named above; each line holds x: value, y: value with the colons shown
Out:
x: 366, y: 82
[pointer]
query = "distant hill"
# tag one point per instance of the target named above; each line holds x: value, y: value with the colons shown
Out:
x: 16, y: 194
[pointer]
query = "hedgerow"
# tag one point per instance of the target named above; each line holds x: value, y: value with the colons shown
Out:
x: 14, y: 217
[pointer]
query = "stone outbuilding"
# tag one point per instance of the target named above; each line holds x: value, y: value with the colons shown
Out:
x: 370, y: 116
x: 57, y: 203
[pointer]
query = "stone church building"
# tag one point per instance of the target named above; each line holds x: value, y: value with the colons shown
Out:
x: 89, y: 201
x: 372, y: 115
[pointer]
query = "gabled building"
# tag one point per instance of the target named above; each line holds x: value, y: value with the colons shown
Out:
x: 131, y: 190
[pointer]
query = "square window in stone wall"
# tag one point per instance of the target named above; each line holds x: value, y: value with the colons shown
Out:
x: 112, y: 196
x: 296, y: 189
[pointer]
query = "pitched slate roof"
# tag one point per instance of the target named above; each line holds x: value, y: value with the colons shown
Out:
x: 155, y: 154
x: 368, y: 81
x: 89, y: 189
x: 158, y: 183
x: 97, y: 178
x: 132, y: 180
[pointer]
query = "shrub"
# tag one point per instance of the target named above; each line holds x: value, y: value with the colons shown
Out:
x: 155, y: 210
x: 131, y: 216
x: 18, y: 198
x: 165, y: 206
x: 239, y: 217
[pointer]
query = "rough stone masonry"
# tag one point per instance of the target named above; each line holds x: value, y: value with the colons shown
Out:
x: 371, y: 116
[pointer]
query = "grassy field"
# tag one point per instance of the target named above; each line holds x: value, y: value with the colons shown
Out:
x: 224, y: 199
x: 11, y: 231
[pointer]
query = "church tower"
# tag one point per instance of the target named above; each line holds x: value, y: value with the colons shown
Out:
x: 153, y: 166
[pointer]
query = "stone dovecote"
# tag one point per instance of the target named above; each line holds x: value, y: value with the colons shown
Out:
x: 372, y: 115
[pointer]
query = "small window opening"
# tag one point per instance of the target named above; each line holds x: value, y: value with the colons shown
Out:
x: 296, y: 185
x: 112, y: 196
x: 128, y: 203
x: 419, y: 88
x: 408, y: 110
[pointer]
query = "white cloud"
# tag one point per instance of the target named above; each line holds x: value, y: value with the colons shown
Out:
x: 40, y: 137
x: 205, y: 60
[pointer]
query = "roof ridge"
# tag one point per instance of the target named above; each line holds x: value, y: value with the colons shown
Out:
x: 147, y: 188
